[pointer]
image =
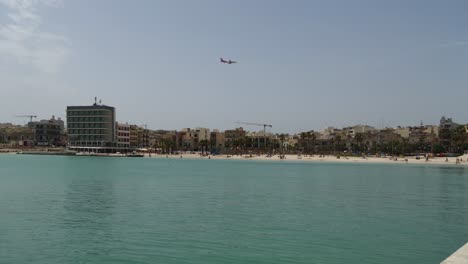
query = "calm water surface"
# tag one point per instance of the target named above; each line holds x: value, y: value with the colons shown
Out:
x: 122, y: 210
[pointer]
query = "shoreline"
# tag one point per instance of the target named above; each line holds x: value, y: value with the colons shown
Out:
x: 326, y: 159
x: 463, y: 160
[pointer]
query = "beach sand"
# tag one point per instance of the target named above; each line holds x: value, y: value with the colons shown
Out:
x: 463, y: 160
x: 327, y: 158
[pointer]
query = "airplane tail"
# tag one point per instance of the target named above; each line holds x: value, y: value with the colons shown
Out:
x: 221, y: 60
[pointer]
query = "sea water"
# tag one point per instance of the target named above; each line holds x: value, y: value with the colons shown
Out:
x: 147, y: 210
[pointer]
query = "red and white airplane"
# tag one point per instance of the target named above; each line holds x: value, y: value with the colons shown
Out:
x: 227, y: 61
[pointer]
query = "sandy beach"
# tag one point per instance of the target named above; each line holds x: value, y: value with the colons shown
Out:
x: 463, y: 160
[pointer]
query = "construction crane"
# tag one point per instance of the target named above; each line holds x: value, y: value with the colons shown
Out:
x: 29, y: 116
x: 256, y: 124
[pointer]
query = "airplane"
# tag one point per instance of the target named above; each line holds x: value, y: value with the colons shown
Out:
x: 227, y: 61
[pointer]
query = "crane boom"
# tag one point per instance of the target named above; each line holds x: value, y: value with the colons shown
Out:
x: 28, y: 116
x: 256, y: 124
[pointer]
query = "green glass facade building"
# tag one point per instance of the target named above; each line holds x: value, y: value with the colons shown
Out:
x: 91, y: 127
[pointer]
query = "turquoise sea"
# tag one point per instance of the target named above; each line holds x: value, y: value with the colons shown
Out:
x: 134, y: 210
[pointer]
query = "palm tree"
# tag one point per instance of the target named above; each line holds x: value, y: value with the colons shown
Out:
x: 204, y: 145
x: 304, y: 137
x: 337, y: 142
x: 313, y: 138
x: 282, y: 137
x: 359, y: 139
x: 239, y: 144
x: 459, y: 137
x: 308, y: 138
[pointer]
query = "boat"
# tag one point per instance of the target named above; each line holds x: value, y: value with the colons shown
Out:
x: 57, y: 153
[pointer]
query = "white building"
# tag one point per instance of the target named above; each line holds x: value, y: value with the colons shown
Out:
x: 329, y: 133
x: 358, y: 129
x: 200, y: 133
x: 404, y: 132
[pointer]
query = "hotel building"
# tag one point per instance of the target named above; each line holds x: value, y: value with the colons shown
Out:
x: 92, y: 128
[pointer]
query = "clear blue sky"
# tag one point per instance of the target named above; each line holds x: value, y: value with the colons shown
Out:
x: 302, y: 64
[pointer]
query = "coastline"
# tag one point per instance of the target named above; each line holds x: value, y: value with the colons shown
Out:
x: 463, y: 160
x: 327, y: 158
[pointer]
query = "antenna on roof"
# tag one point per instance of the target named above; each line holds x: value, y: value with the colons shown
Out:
x: 100, y: 101
x: 95, y: 100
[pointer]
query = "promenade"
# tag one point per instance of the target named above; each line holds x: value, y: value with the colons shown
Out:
x: 459, y: 257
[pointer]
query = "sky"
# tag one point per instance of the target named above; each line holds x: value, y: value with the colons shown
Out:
x: 303, y: 65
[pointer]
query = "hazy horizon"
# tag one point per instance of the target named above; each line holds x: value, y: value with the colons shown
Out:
x: 303, y: 65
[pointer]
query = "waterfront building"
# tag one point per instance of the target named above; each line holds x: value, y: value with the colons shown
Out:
x: 447, y: 123
x: 358, y: 129
x: 143, y: 138
x: 123, y: 136
x: 48, y: 132
x: 200, y: 137
x: 91, y: 128
x: 308, y: 140
x: 162, y: 140
x: 154, y: 138
x: 431, y: 135
x: 234, y: 134
x: 193, y: 139
x: 418, y: 134
x: 139, y: 137
x: 446, y: 128
x: 383, y: 136
x: 329, y: 133
x: 133, y: 136
x: 217, y: 141
x: 235, y: 138
x: 291, y: 142
x: 259, y: 140
x: 184, y: 140
x: 285, y: 143
x: 404, y: 132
